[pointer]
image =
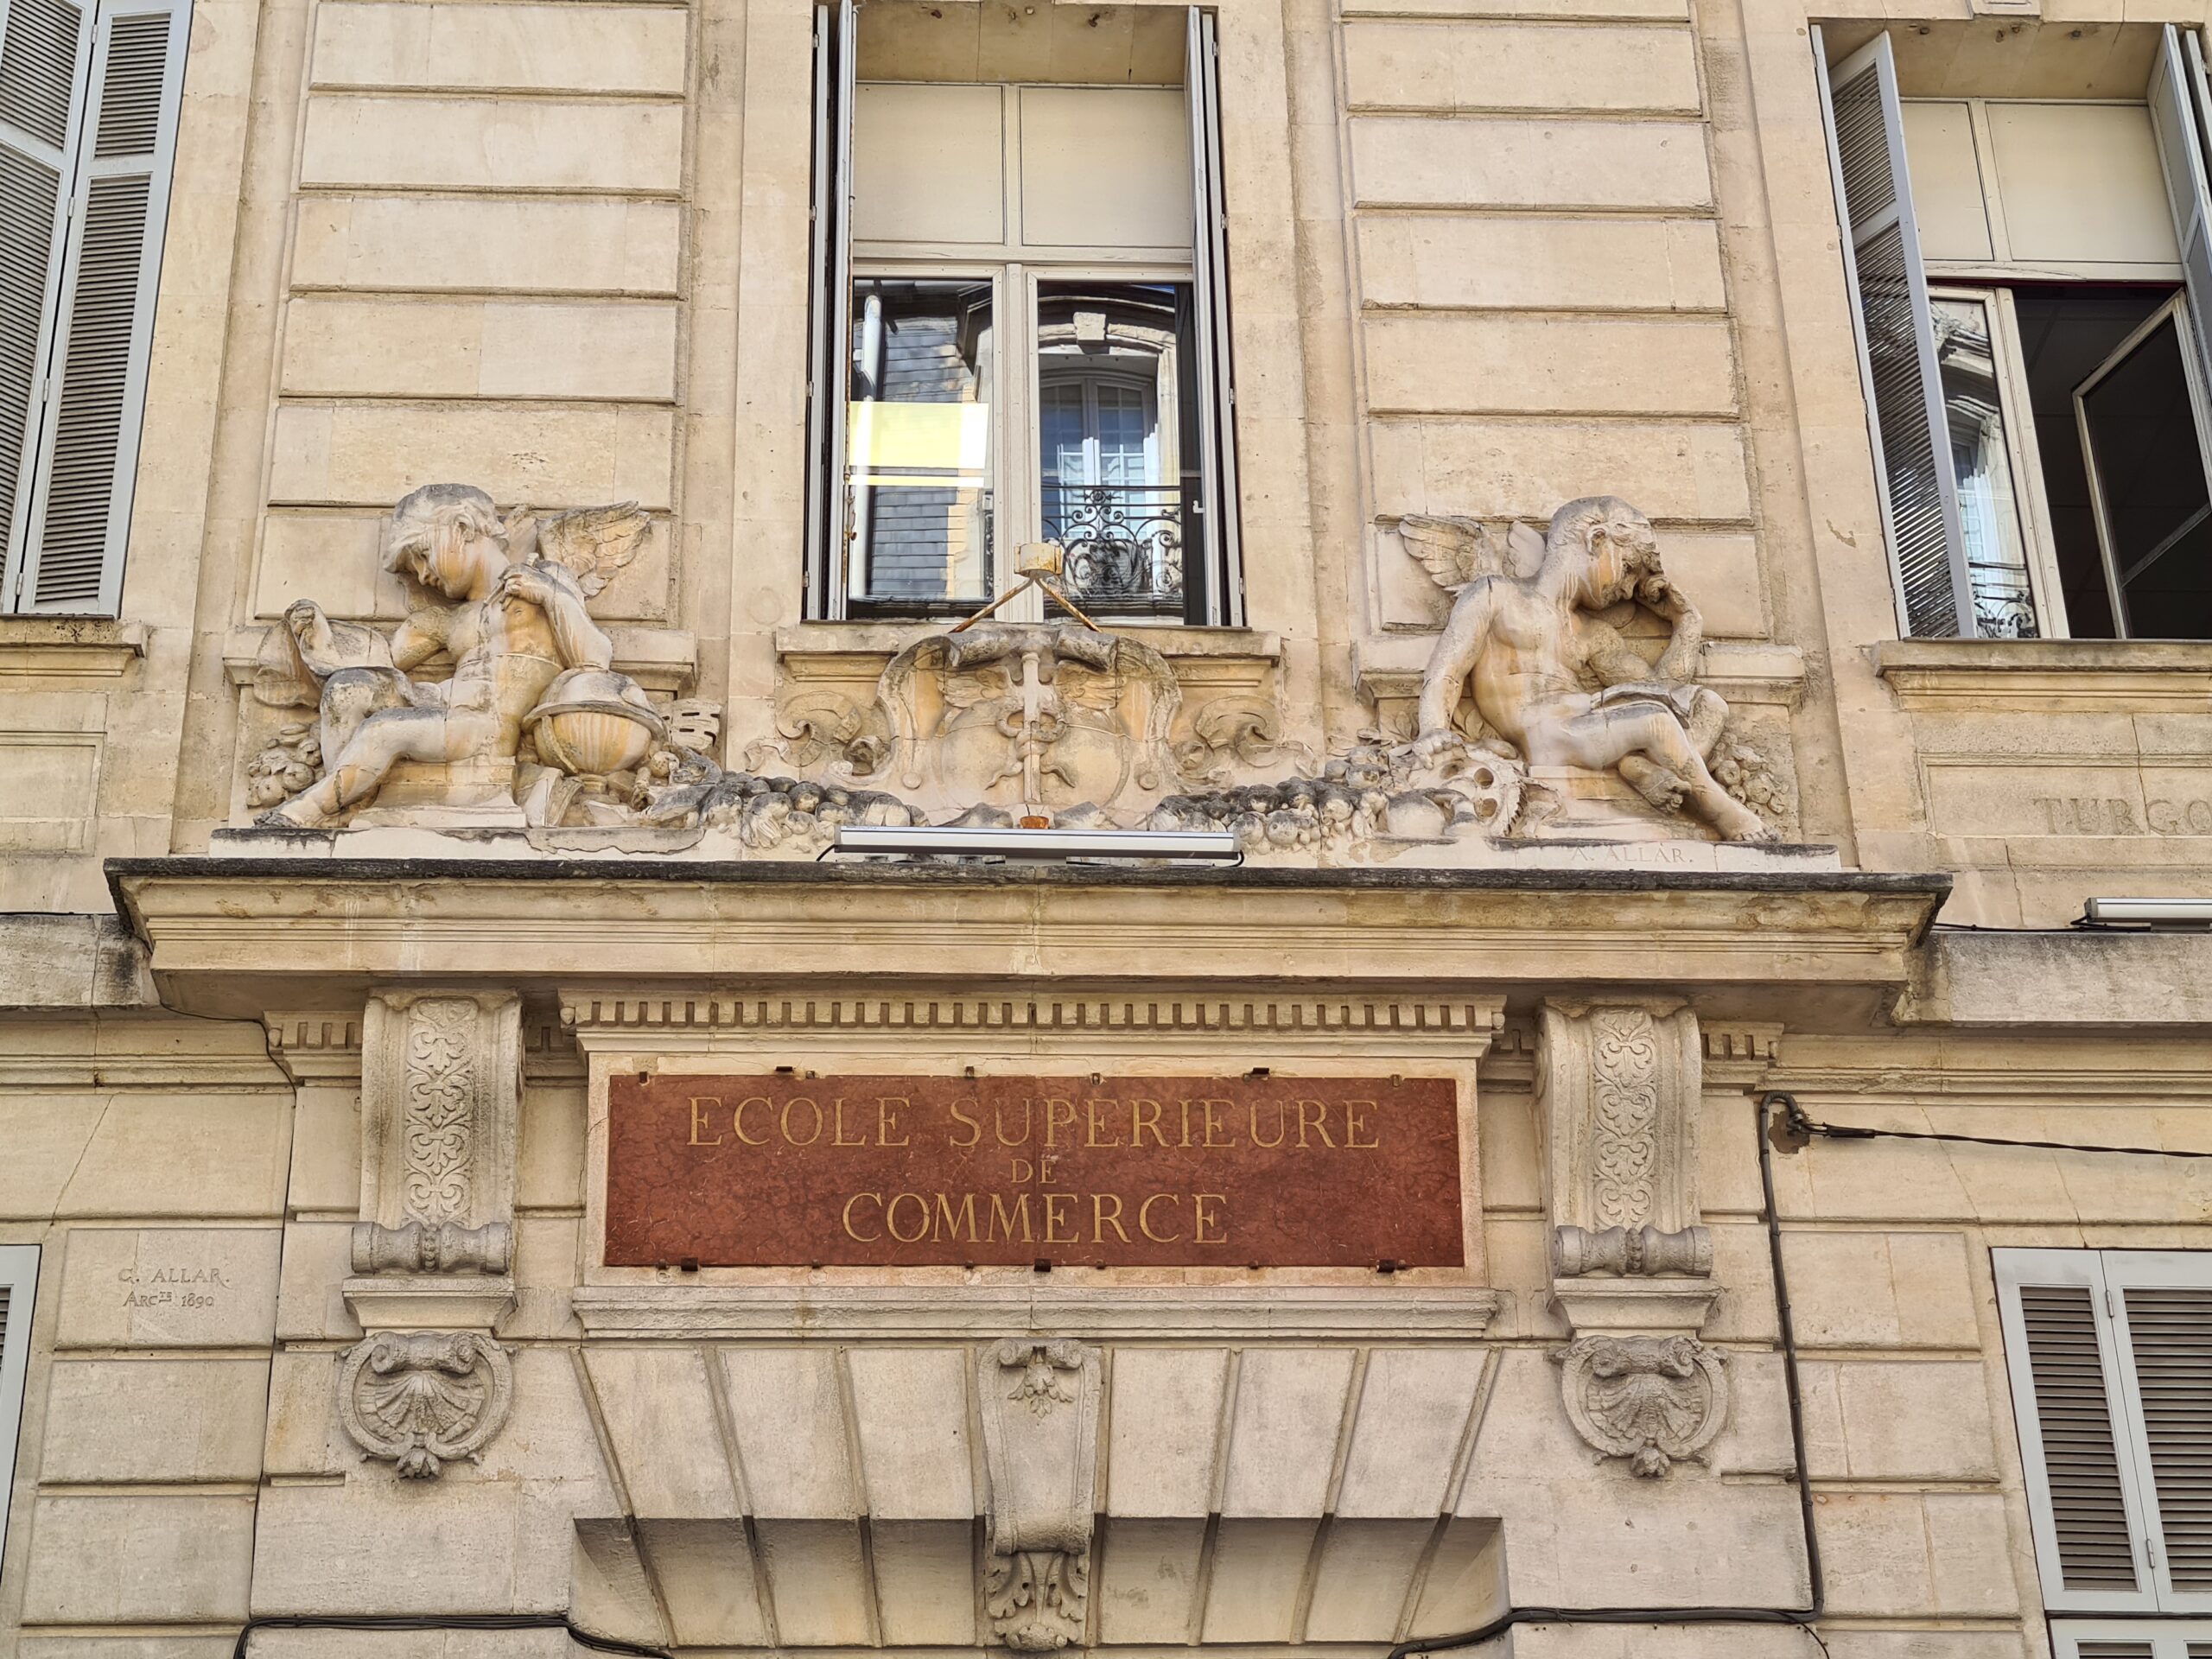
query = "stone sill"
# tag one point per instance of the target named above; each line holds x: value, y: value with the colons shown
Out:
x: 814, y: 1312
x: 852, y: 641
x: 1741, y: 670
x: 665, y: 660
x: 2047, y: 676
x: 73, y: 646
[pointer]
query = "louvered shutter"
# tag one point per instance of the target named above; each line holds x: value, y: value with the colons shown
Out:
x: 830, y: 296
x: 2177, y: 122
x: 2162, y: 1308
x: 18, y: 1290
x: 44, y: 45
x: 80, y: 500
x: 2095, y: 1649
x: 1897, y: 343
x: 1215, y: 591
x: 2069, y: 1386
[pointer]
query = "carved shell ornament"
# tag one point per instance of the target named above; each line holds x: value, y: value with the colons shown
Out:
x: 1652, y: 1400
x: 423, y: 1398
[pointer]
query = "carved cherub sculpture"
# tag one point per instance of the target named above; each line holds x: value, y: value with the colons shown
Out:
x: 505, y: 599
x: 1551, y: 677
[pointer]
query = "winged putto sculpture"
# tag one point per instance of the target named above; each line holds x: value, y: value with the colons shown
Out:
x: 1530, y: 643
x: 504, y: 597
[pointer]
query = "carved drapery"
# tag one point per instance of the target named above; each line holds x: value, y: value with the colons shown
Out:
x: 1040, y: 1444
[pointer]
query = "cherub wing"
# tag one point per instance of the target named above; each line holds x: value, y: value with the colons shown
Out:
x: 594, y: 542
x: 1454, y: 550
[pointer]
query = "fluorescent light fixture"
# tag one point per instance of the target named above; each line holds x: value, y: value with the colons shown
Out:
x: 1202, y: 846
x: 2151, y: 913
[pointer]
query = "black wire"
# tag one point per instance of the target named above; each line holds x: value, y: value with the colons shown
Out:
x: 1805, y: 1618
x: 444, y: 1621
x: 1793, y: 1118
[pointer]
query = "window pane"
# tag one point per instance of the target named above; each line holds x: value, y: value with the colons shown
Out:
x: 918, y: 512
x: 2158, y: 516
x: 1989, y: 511
x: 1116, y: 372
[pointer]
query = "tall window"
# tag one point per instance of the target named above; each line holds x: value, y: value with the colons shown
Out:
x: 2110, y: 1359
x: 18, y: 1286
x: 1021, y: 318
x: 2033, y: 290
x: 88, y: 103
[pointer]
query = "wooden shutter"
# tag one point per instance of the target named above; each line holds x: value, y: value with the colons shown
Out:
x: 18, y: 1291
x: 1222, y: 600
x: 2162, y: 1313
x: 44, y: 48
x: 2178, y: 124
x: 80, y: 500
x: 1897, y: 342
x: 829, y: 311
x: 2068, y: 1385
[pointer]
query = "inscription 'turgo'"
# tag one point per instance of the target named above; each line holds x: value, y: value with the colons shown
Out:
x: 1139, y: 1172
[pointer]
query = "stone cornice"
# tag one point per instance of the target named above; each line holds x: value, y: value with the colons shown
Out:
x: 1398, y: 1313
x: 2047, y: 676
x: 253, y: 924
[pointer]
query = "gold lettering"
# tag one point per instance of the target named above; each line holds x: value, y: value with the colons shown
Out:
x: 1355, y: 1121
x: 1055, y: 1214
x: 950, y: 1221
x: 1186, y: 1105
x: 1144, y: 1217
x: 1091, y: 1126
x: 837, y: 1129
x: 1199, y: 1202
x: 785, y: 1120
x: 1020, y: 1170
x: 887, y: 1121
x: 737, y: 1120
x: 699, y: 1119
x: 1058, y: 1114
x: 1100, y: 1220
x: 1003, y: 1218
x: 860, y: 1238
x: 1281, y: 1127
x: 891, y: 1217
x: 998, y: 1124
x: 1213, y: 1122
x: 975, y: 1125
x: 1313, y: 1122
x: 1145, y: 1115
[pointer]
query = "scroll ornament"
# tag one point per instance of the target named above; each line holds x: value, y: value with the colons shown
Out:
x: 1040, y: 1435
x: 1653, y: 1401
x: 423, y: 1398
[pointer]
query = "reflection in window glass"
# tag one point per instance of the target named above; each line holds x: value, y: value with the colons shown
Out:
x: 918, y: 509
x: 2155, y: 518
x: 1997, y: 560
x: 1118, y: 451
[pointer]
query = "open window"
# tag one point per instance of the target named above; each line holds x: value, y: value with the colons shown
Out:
x: 2031, y: 279
x: 1020, y: 328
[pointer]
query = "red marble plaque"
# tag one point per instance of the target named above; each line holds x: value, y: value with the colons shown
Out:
x: 1135, y: 1172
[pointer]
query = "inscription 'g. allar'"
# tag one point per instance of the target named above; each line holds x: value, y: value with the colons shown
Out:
x: 1137, y: 1170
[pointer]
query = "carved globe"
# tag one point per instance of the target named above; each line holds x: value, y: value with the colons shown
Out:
x: 593, y: 721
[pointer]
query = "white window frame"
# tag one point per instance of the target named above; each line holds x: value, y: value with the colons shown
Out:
x: 2180, y: 103
x: 2167, y: 1638
x: 2107, y: 1275
x: 1017, y: 511
x: 19, y: 1275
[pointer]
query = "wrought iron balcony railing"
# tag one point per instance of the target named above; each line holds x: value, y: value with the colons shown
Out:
x: 1124, y: 545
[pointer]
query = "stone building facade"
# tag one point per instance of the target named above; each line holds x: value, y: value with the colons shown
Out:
x: 1659, y: 547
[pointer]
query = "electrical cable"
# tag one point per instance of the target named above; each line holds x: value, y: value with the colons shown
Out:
x: 445, y: 1621
x: 1806, y: 1618
x: 1797, y: 1122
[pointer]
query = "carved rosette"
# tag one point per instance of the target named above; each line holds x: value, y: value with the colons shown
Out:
x: 1040, y: 1443
x: 423, y: 1398
x: 1654, y: 1401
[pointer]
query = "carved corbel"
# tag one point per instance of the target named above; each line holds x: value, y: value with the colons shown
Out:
x: 1040, y: 1444
x: 1631, y: 1260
